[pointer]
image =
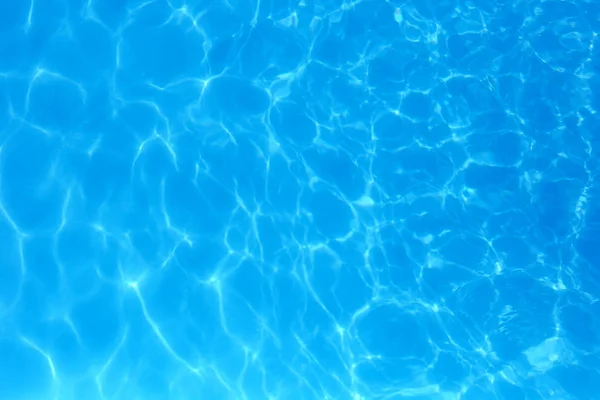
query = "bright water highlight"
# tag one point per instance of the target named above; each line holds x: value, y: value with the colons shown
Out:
x: 304, y: 200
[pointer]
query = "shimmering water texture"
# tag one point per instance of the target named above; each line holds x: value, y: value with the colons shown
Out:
x: 254, y: 199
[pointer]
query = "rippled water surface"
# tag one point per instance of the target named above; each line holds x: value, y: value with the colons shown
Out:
x: 305, y: 200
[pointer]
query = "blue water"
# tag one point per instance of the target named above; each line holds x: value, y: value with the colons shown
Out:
x: 252, y: 199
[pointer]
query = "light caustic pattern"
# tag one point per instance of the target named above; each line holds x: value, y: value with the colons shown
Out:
x: 279, y: 200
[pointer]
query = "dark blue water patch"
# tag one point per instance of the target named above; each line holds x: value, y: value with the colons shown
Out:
x: 556, y: 203
x: 293, y: 124
x: 153, y: 165
x: 134, y: 122
x: 422, y: 74
x: 471, y: 214
x: 590, y: 278
x: 565, y: 92
x: 184, y: 52
x: 270, y: 46
x: 588, y: 11
x: 387, y: 74
x: 516, y: 251
x: 486, y: 177
x: 322, y: 344
x: 283, y: 187
x: 574, y: 141
x: 473, y: 302
x: 87, y: 54
x: 13, y: 16
x: 290, y: 300
x: 417, y: 106
x: 79, y: 280
x: 112, y: 13
x: 477, y: 95
x: 12, y: 266
x: 340, y: 287
x: 68, y: 354
x: 500, y: 200
x: 35, y: 304
x: 586, y: 245
x: 304, y: 313
x: 589, y: 360
x: 42, y: 266
x: 349, y: 96
x: 493, y: 120
x: 107, y: 264
x: 333, y: 50
x: 505, y: 148
x: 575, y: 380
x: 25, y: 368
x: 552, y: 11
x: 392, y: 180
x: 507, y: 20
x: 510, y: 222
x: 542, y: 117
x: 595, y: 100
x: 443, y: 279
x: 402, y: 269
x: 331, y: 215
x: 524, y: 315
x: 107, y: 174
x: 223, y: 52
x: 232, y: 97
x: 97, y: 319
x: 508, y: 148
x: 572, y: 170
x: 462, y: 45
x: 55, y: 102
x: 13, y: 46
x: 392, y: 131
x: 580, y: 325
x: 449, y: 369
x: 395, y: 328
x: 243, y: 320
x: 187, y: 205
x: 432, y: 222
x: 256, y: 296
x: 23, y: 42
x: 274, y: 233
x: 440, y: 11
x: 337, y: 168
x: 234, y: 168
x: 369, y: 19
x: 220, y: 20
x: 426, y: 165
x: 426, y: 9
x: 248, y: 285
x: 77, y: 246
x: 444, y: 326
x: 536, y: 86
x: 550, y: 46
x: 152, y: 382
x: 509, y: 89
x: 172, y: 306
x: 32, y: 198
x: 252, y: 381
x: 454, y: 150
x: 503, y: 41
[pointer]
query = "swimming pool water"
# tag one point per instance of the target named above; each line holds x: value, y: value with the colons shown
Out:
x: 252, y: 199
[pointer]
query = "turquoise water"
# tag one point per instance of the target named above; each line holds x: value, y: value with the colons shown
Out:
x: 299, y: 200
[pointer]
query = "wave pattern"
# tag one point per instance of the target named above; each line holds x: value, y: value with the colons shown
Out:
x: 299, y: 200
